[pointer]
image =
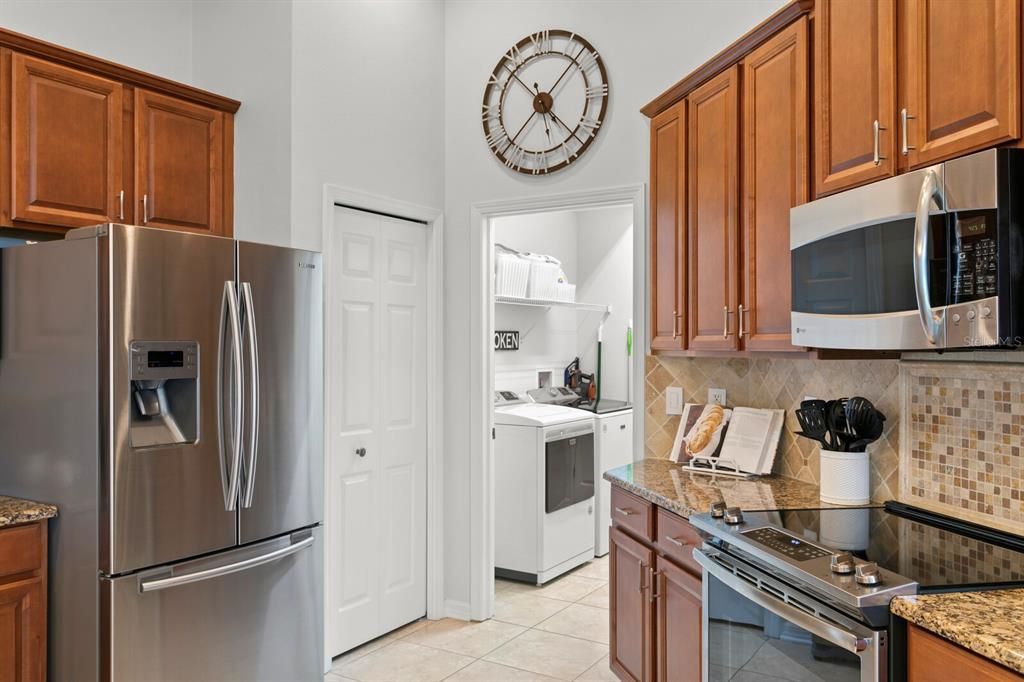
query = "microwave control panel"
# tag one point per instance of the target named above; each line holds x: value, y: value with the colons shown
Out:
x: 975, y: 257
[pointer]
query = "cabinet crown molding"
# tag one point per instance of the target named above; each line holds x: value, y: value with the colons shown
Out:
x: 729, y: 56
x: 102, y: 67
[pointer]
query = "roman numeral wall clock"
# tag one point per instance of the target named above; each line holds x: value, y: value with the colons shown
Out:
x: 545, y: 102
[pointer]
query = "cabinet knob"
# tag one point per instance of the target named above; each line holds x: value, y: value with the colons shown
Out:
x: 361, y: 452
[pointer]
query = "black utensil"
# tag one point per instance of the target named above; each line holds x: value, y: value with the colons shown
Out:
x: 812, y: 421
x: 835, y: 417
x: 864, y: 421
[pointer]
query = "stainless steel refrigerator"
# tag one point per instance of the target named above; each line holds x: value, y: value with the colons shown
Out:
x: 166, y: 391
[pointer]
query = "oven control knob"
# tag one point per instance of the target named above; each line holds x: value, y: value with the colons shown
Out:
x: 718, y: 510
x: 986, y: 312
x: 868, y: 573
x: 971, y: 314
x: 843, y: 563
x: 733, y: 516
x: 956, y: 318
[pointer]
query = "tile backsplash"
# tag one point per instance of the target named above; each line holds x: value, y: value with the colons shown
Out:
x: 960, y: 424
x: 963, y: 436
x: 781, y: 383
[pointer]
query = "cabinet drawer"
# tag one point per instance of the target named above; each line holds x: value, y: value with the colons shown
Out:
x: 677, y: 539
x: 632, y: 513
x: 21, y: 549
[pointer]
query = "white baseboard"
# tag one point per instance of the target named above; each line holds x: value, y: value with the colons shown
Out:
x: 459, y: 610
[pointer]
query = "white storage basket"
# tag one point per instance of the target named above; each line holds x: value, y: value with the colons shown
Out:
x: 511, y: 272
x: 544, y: 275
x: 566, y: 292
x: 845, y: 477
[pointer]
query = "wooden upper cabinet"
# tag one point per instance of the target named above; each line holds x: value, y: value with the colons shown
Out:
x: 668, y: 228
x: 775, y: 179
x: 631, y: 655
x: 959, y: 77
x: 66, y: 151
x: 854, y: 87
x: 712, y: 174
x: 179, y: 157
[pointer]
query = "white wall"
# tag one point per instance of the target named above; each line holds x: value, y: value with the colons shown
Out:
x: 243, y: 49
x: 154, y: 36
x: 367, y: 104
x: 647, y: 45
x: 547, y: 336
x: 605, y: 267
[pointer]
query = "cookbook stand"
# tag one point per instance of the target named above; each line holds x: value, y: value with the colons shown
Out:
x: 718, y: 466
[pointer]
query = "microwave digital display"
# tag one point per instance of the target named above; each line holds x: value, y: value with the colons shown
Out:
x: 971, y: 227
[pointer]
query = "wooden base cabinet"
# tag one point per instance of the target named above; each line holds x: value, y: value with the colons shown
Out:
x: 23, y: 603
x: 931, y: 658
x: 655, y: 595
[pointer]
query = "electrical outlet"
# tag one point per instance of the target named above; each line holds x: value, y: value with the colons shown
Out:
x: 716, y: 396
x: 673, y: 400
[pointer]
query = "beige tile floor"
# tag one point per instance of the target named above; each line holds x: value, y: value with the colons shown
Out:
x: 555, y: 632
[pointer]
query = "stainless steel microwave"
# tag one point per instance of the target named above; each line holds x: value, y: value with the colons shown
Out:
x: 931, y: 259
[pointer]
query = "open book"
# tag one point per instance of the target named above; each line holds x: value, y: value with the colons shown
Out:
x: 746, y: 442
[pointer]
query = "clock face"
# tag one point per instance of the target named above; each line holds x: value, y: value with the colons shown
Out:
x: 545, y: 102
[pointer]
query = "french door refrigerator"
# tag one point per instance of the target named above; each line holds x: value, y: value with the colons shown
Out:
x: 165, y: 391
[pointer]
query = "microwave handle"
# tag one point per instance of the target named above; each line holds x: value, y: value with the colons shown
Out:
x: 809, y: 622
x: 930, y: 320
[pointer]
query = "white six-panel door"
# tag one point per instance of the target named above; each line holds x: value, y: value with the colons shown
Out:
x: 376, y: 447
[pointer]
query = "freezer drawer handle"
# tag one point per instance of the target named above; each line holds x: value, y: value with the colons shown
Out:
x: 248, y: 311
x: 216, y: 572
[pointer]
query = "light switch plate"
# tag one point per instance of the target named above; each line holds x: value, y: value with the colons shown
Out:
x: 673, y: 400
x: 716, y: 396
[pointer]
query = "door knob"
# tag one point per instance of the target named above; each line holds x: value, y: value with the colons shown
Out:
x: 361, y: 452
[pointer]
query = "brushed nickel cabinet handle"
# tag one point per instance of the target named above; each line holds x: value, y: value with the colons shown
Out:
x: 643, y: 570
x: 675, y: 324
x: 145, y: 209
x: 625, y: 512
x: 877, y: 128
x: 743, y: 332
x: 676, y: 541
x: 653, y: 595
x: 904, y: 117
x: 120, y: 205
x: 725, y: 321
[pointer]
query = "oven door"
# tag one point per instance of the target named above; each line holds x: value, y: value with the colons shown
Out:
x: 755, y: 627
x: 869, y: 266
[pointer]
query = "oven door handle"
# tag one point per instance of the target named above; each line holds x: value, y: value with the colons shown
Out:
x: 812, y: 624
x: 930, y: 320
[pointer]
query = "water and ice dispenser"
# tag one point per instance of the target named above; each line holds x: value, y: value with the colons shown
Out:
x: 165, y: 393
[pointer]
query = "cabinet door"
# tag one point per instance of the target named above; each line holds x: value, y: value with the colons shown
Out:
x: 66, y: 145
x: 179, y: 159
x: 631, y: 624
x: 959, y: 76
x: 930, y: 657
x: 854, y: 86
x: 22, y: 631
x: 677, y: 623
x: 668, y: 235
x: 775, y: 168
x: 712, y: 172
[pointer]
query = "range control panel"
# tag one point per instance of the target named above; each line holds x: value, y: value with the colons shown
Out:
x: 784, y: 543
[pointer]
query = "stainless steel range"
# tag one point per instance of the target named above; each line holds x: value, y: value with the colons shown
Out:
x: 804, y: 594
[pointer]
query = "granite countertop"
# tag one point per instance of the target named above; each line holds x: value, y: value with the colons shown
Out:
x: 14, y: 511
x: 988, y: 623
x: 669, y: 485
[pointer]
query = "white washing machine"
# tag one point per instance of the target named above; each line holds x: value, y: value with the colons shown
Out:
x: 613, y: 447
x: 543, y: 489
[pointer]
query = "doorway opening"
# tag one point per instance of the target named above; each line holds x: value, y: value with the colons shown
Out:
x: 562, y: 310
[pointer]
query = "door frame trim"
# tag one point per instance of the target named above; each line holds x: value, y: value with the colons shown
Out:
x: 339, y: 196
x: 481, y: 361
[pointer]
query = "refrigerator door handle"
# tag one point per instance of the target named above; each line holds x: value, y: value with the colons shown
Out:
x: 229, y: 319
x: 156, y: 584
x: 254, y: 402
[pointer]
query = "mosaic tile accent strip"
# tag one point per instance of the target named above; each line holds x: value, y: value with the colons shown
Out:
x: 962, y: 429
x: 781, y: 383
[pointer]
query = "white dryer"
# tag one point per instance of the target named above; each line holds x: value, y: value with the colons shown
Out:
x: 543, y: 488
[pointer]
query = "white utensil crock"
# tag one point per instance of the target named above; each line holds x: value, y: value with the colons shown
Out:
x: 845, y: 477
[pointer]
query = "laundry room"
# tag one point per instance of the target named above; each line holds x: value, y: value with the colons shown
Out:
x: 563, y: 376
